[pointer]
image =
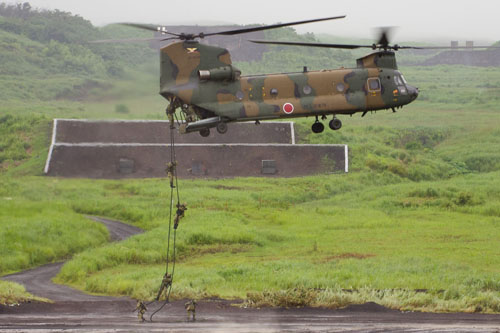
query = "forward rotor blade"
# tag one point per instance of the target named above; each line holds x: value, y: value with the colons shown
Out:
x: 332, y: 46
x: 384, y: 35
x: 449, y: 47
x: 378, y: 46
x: 384, y: 38
x: 267, y: 27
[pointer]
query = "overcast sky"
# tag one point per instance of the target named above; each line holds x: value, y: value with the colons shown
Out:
x: 418, y: 20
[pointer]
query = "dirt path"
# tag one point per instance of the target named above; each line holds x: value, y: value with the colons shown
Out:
x: 118, y: 231
x: 38, y: 281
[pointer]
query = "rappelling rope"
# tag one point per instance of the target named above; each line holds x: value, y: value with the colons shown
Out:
x: 172, y: 160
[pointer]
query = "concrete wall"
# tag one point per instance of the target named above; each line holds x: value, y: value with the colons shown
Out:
x: 206, y: 161
x: 120, y: 149
x: 136, y: 131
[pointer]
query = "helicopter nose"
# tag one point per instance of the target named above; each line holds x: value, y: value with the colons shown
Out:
x: 413, y: 92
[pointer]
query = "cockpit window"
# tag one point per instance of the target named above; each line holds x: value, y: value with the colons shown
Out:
x: 374, y: 84
x: 398, y: 80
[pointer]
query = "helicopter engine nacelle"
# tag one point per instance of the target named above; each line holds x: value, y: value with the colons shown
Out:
x: 226, y: 73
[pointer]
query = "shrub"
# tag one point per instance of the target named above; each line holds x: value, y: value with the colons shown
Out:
x: 463, y: 198
x: 122, y: 108
x: 483, y: 163
x: 427, y: 193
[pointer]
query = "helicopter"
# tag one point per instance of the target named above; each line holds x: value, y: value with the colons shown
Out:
x: 210, y: 92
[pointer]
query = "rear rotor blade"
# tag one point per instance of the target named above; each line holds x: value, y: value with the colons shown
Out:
x: 130, y: 40
x: 149, y: 27
x: 267, y: 27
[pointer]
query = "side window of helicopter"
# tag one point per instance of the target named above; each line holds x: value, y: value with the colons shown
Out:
x: 374, y: 84
x: 307, y: 89
x: 240, y: 95
x: 274, y: 92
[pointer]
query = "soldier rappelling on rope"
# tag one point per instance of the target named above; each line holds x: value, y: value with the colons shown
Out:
x: 171, y: 108
x: 171, y: 172
x: 181, y: 208
x: 166, y: 283
x: 170, y: 115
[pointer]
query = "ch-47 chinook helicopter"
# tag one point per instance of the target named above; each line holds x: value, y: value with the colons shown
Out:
x: 201, y: 81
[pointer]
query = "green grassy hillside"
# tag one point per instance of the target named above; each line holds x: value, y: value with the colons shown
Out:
x: 46, y: 55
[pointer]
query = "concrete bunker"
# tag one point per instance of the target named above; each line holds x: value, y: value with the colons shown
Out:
x: 141, y: 149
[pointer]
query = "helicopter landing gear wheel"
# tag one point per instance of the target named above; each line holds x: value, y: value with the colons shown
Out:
x: 205, y: 132
x: 318, y: 127
x: 335, y: 124
x: 222, y: 128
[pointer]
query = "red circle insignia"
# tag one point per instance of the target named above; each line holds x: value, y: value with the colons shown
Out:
x: 288, y: 108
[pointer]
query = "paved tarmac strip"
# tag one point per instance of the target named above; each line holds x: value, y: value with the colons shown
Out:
x: 75, y: 311
x: 222, y: 316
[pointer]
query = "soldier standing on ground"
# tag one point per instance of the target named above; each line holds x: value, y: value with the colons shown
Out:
x: 191, y: 309
x: 165, y: 284
x: 141, y: 309
x: 181, y: 208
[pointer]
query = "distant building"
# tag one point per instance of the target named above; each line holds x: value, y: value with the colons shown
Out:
x: 468, y: 57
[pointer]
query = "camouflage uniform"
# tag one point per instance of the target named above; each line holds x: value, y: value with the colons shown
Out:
x: 191, y: 309
x: 165, y: 284
x: 190, y: 114
x: 181, y: 208
x: 171, y: 120
x: 141, y: 309
x: 171, y: 111
x: 171, y: 172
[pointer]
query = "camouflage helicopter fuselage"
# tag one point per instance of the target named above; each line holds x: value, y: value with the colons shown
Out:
x: 201, y: 78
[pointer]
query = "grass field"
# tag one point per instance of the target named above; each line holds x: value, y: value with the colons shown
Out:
x: 414, y: 225
x: 322, y: 234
